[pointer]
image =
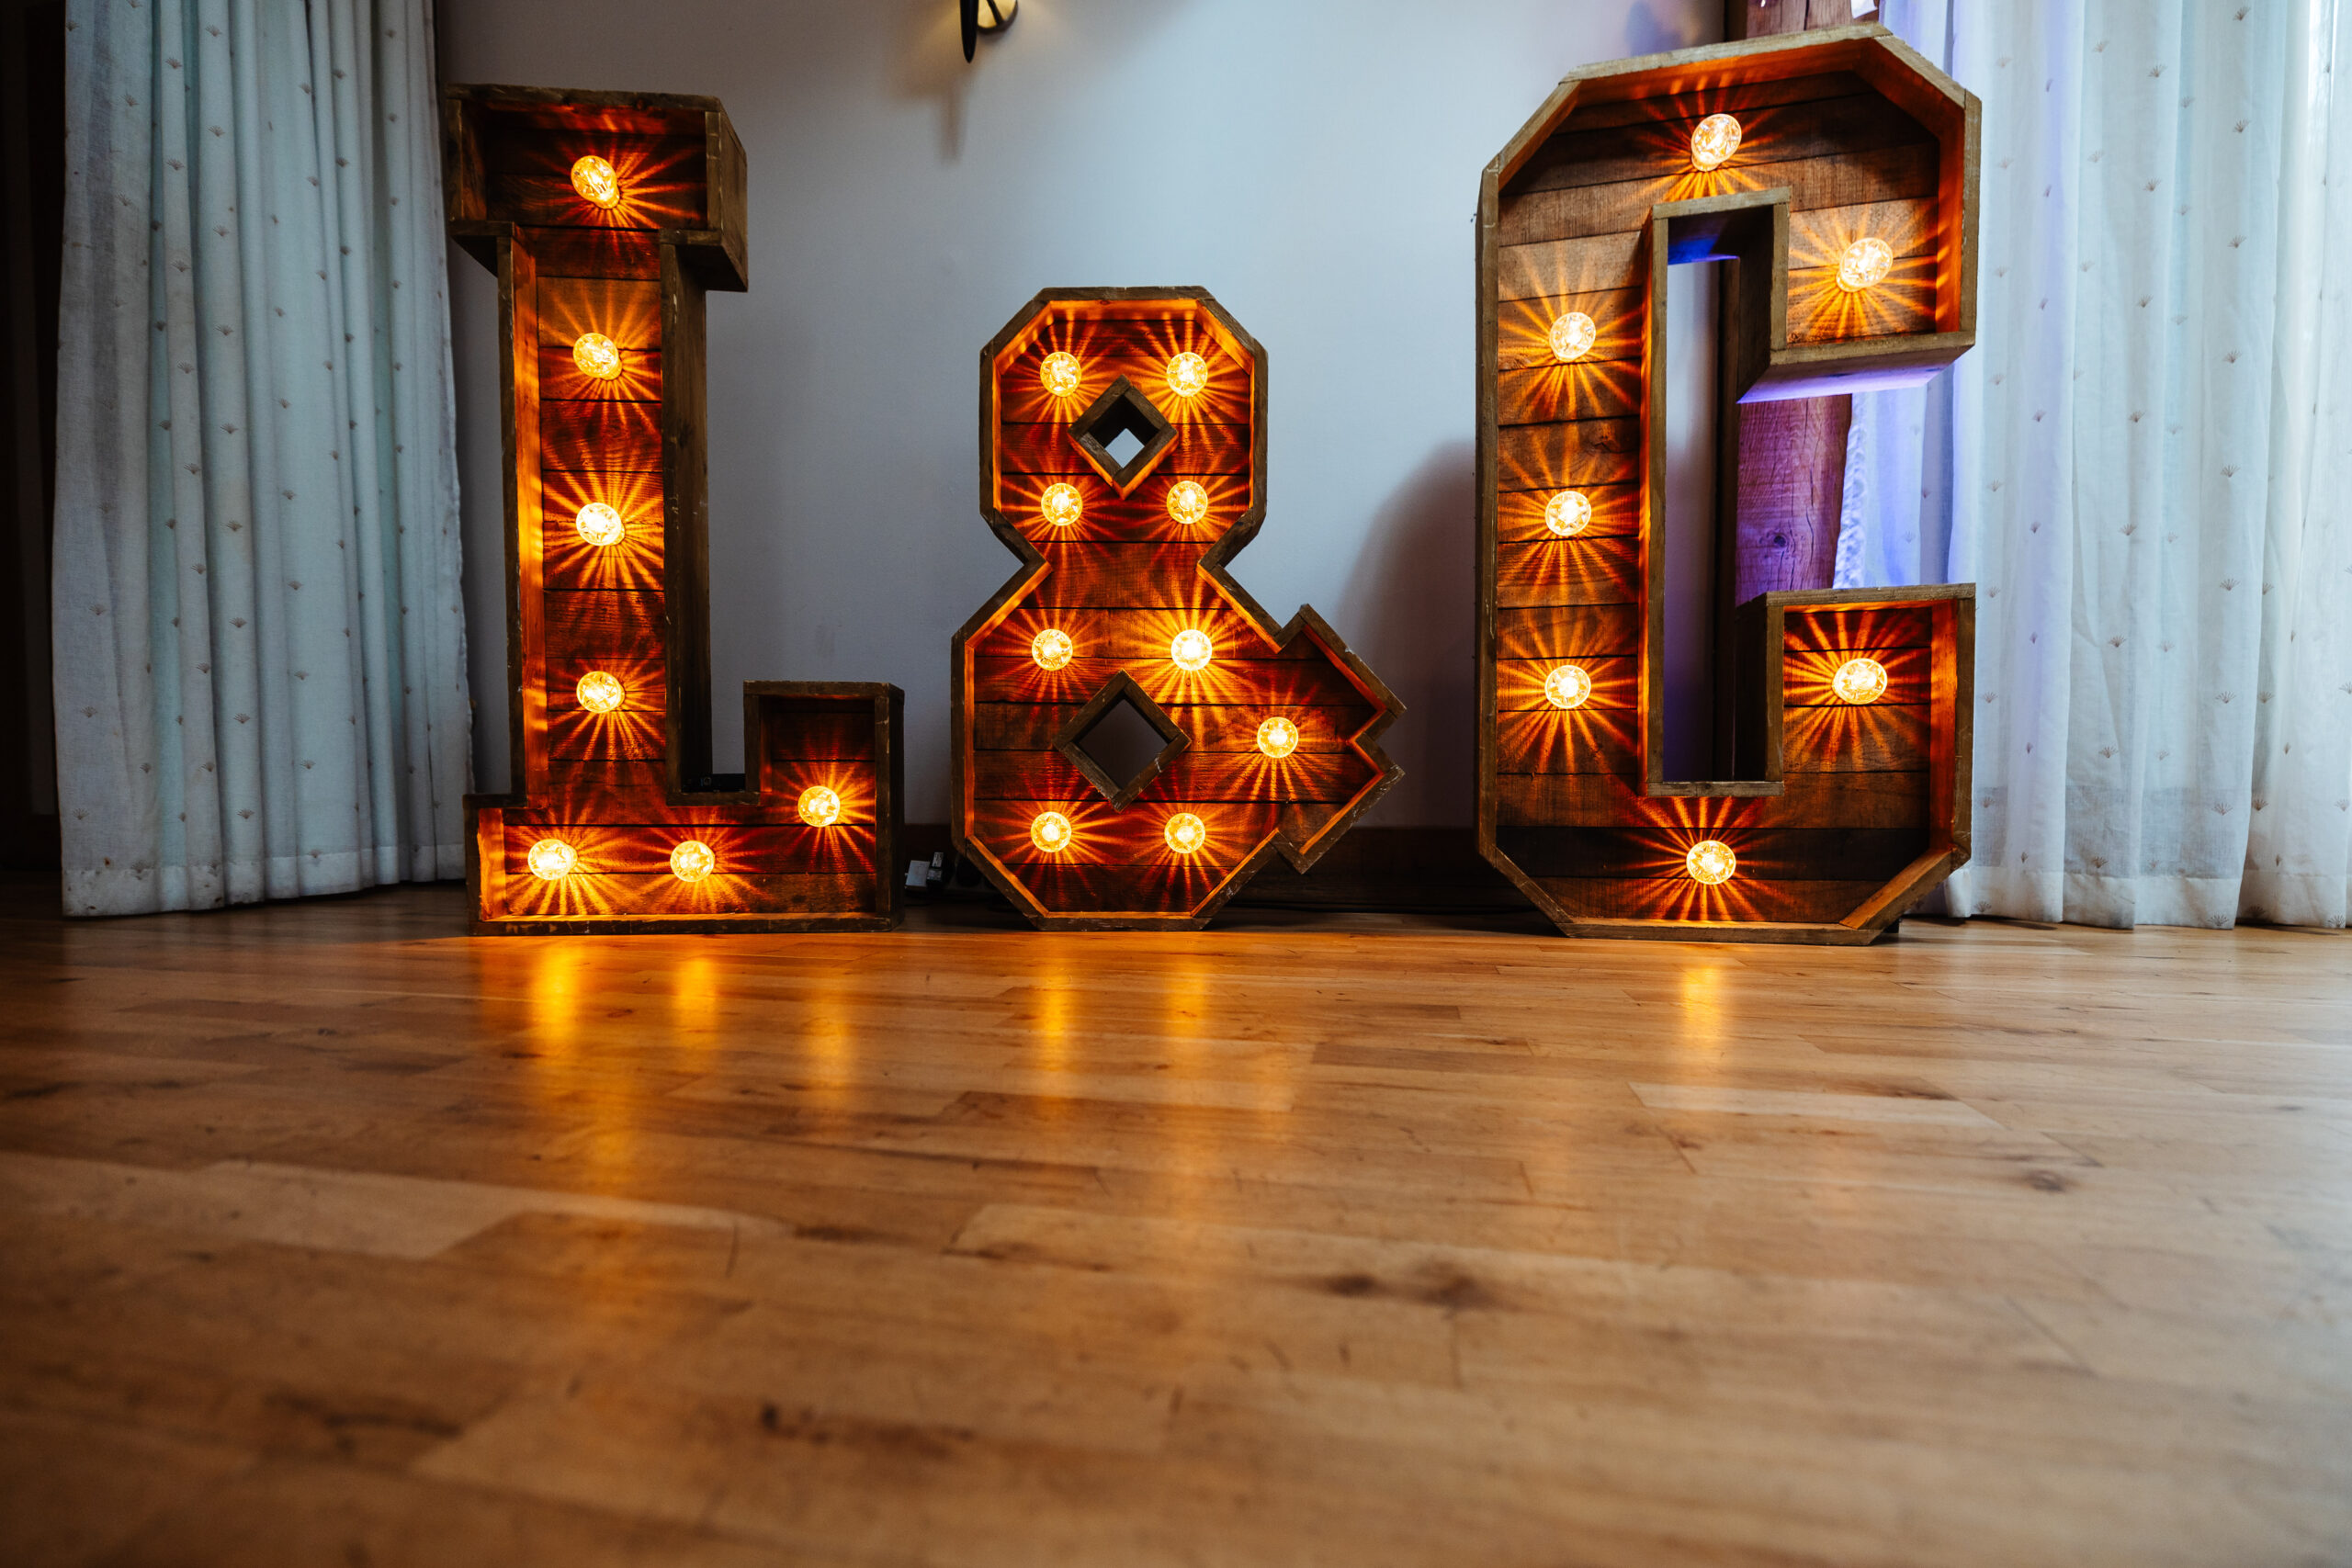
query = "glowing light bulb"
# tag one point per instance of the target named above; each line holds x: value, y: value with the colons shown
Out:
x: 691, y: 861
x: 1572, y: 338
x: 600, y: 525
x: 1278, y: 738
x: 1866, y: 262
x: 1188, y: 375
x: 1060, y: 374
x: 1567, y: 686
x: 594, y: 178
x: 599, y: 693
x: 1191, y: 650
x: 1713, y: 142
x: 1050, y: 831
x: 1188, y: 503
x: 598, y: 356
x: 1061, y: 505
x: 551, y: 860
x: 1859, y: 681
x: 1711, y: 862
x: 1051, y: 649
x: 819, y: 806
x: 1568, y: 512
x: 1185, y: 833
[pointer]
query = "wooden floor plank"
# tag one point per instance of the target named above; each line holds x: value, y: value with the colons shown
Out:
x: 329, y: 1233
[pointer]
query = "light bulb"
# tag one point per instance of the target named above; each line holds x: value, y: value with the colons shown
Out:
x: 1061, y: 505
x: 594, y: 178
x: 1051, y: 649
x: 1188, y: 503
x: 1866, y: 262
x: 1568, y: 513
x: 1050, y: 831
x: 1060, y: 374
x: 819, y: 806
x: 1859, y: 681
x: 600, y: 525
x: 1188, y: 375
x: 1185, y: 833
x: 691, y: 861
x: 1191, y: 650
x: 598, y: 356
x: 1712, y: 142
x: 1278, y: 738
x: 1711, y: 861
x: 599, y: 693
x: 1572, y: 338
x: 551, y: 860
x: 1567, y: 686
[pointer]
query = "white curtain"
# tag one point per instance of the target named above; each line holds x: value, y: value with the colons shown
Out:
x: 260, y: 670
x: 2146, y: 463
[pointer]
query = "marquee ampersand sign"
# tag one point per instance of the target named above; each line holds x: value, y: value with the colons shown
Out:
x: 1122, y: 460
x: 606, y: 216
x: 1833, y: 174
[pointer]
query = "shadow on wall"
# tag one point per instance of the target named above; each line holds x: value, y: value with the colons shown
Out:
x: 931, y: 51
x: 1409, y: 609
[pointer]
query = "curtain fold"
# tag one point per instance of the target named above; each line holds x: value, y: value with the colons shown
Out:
x: 2144, y: 465
x: 260, y: 670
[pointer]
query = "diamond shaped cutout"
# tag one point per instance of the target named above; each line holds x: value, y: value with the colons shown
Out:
x: 1123, y: 434
x: 1120, y: 740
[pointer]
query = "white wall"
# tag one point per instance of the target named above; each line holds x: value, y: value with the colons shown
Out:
x: 1314, y: 163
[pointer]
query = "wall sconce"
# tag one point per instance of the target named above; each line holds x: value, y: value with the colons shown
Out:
x: 984, y: 17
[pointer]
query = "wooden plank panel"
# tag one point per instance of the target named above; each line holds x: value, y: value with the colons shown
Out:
x: 1587, y: 570
x: 1806, y: 678
x: 1251, y: 684
x: 1845, y: 740
x: 639, y: 381
x: 789, y: 738
x: 628, y: 310
x: 1680, y: 898
x: 1200, y: 448
x: 1232, y: 776
x: 1884, y: 173
x: 608, y: 849
x: 1588, y: 452
x: 1555, y: 268
x: 595, y: 252
x: 1616, y: 513
x: 650, y: 896
x: 1859, y: 123
x: 1580, y: 741
x: 600, y: 622
x: 1841, y: 854
x: 1537, y: 394
x: 1031, y: 727
x: 600, y: 438
x: 1567, y: 631
x: 1518, y: 684
x: 1859, y: 800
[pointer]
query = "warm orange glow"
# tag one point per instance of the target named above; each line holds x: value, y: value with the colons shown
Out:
x: 1185, y: 833
x: 1061, y: 505
x: 594, y: 178
x: 1711, y: 862
x: 1568, y: 513
x: 598, y: 356
x: 1060, y: 374
x: 551, y: 860
x: 1567, y: 686
x: 819, y: 806
x: 1866, y: 262
x: 1191, y: 650
x: 1278, y: 738
x: 1572, y: 336
x: 1188, y: 375
x: 1712, y: 142
x: 1188, y: 503
x: 600, y: 693
x: 1050, y: 831
x: 1859, y: 681
x: 600, y: 525
x: 1051, y: 649
x: 691, y: 861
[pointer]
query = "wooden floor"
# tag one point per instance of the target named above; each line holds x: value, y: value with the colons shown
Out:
x: 329, y: 1235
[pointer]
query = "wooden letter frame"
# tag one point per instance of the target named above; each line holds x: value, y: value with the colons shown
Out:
x: 1121, y: 583
x: 623, y: 789
x: 1841, y: 816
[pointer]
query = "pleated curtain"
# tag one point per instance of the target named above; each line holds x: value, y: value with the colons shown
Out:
x: 2146, y: 463
x: 260, y: 650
